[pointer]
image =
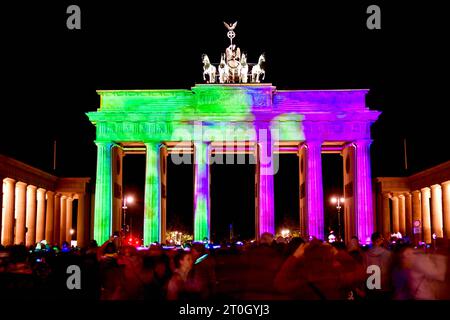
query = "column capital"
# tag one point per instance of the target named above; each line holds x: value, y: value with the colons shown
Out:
x: 103, y: 143
x: 401, y: 196
x: 387, y: 195
x: 21, y: 184
x: 50, y: 193
x: 425, y: 190
x: 361, y: 142
x: 416, y: 192
x: 31, y: 187
x: 9, y: 180
x: 41, y: 190
x: 445, y: 183
x: 154, y: 143
x: 78, y: 195
x: 435, y: 186
x: 312, y: 142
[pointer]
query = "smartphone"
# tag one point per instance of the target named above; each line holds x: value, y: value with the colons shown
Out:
x: 200, y: 259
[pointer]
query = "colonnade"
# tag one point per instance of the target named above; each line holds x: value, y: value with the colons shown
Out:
x: 420, y: 213
x: 31, y: 214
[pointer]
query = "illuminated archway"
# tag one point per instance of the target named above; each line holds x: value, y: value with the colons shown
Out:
x: 256, y: 117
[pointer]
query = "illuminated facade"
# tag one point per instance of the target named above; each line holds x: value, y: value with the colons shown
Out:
x: 39, y: 206
x: 214, y: 119
x: 417, y: 206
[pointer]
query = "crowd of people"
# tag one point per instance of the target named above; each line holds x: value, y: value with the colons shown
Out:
x: 268, y: 269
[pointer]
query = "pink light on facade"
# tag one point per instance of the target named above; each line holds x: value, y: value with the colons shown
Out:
x: 364, y: 208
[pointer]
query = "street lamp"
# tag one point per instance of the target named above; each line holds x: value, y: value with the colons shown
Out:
x: 338, y: 201
x: 126, y: 200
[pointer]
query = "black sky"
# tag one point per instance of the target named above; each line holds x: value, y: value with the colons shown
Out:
x: 50, y: 73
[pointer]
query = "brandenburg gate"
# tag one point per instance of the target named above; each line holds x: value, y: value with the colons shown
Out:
x: 218, y: 118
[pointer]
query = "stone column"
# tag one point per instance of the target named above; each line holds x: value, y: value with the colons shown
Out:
x: 81, y: 221
x: 302, y: 190
x: 57, y: 219
x: 163, y: 167
x: 103, y: 193
x: 20, y: 204
x: 69, y: 215
x: 436, y: 207
x: 49, y: 214
x: 117, y: 190
x: 426, y: 218
x: 349, y: 170
x: 417, y: 213
x: 314, y: 189
x: 395, y: 214
x: 40, y: 220
x: 386, y: 214
x: 402, y: 213
x: 364, y: 207
x: 63, y: 219
x: 8, y: 212
x: 446, y: 207
x: 31, y: 216
x: 152, y: 209
x: 202, y: 215
x: 408, y: 210
x: 416, y: 205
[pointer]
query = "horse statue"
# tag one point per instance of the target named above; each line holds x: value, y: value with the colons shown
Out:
x: 243, y: 69
x: 208, y: 70
x: 223, y: 70
x: 258, y: 71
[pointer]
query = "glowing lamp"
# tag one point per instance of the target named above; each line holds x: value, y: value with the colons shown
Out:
x: 129, y: 199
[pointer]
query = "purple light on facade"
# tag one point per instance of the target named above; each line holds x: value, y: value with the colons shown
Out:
x: 364, y: 208
x: 266, y: 215
x: 201, y: 191
x: 314, y: 190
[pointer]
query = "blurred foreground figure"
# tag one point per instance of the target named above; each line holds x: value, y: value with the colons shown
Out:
x: 177, y: 288
x: 202, y: 278
x: 427, y: 275
x: 111, y: 275
x: 318, y: 271
x: 379, y: 256
x: 260, y: 264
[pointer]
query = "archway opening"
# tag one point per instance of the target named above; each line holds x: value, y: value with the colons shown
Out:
x: 286, y: 185
x: 133, y: 188
x: 180, y: 199
x: 233, y: 198
x: 333, y: 182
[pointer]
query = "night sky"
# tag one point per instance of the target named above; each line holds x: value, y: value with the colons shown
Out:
x: 50, y: 75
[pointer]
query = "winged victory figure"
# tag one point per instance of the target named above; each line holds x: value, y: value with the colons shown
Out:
x: 230, y: 26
